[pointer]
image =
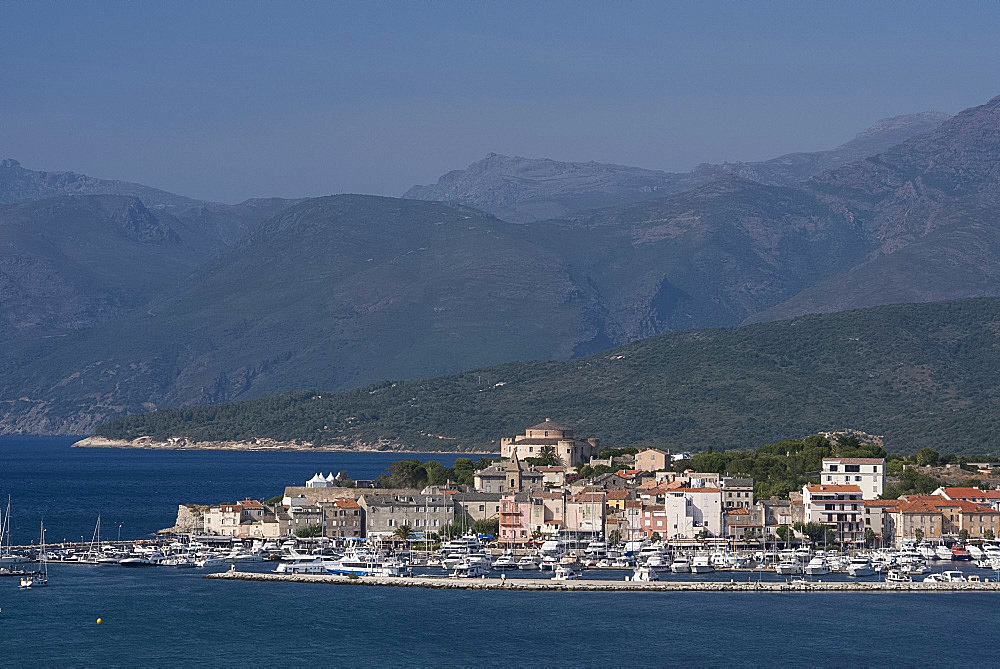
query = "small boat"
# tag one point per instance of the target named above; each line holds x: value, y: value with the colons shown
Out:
x: 818, y: 566
x: 680, y: 565
x: 564, y: 573
x: 896, y: 576
x: 976, y: 552
x: 958, y: 553
x: 470, y: 569
x: 942, y: 552
x: 645, y: 574
x: 300, y: 564
x: 528, y: 563
x: 788, y: 568
x: 210, y: 561
x: 505, y: 561
x: 860, y: 566
x: 548, y: 562
x: 701, y: 564
x: 954, y: 577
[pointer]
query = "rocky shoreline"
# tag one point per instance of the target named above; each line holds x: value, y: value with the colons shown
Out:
x: 525, y: 584
x: 264, y: 444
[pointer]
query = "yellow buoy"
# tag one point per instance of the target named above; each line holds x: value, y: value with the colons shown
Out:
x: 98, y: 621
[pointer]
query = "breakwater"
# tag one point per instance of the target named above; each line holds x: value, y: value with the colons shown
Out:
x: 594, y: 585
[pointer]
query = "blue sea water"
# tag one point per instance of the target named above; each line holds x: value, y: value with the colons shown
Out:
x: 170, y: 617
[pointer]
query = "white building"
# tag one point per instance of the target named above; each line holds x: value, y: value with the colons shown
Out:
x: 838, y: 506
x: 866, y: 473
x: 535, y: 441
x: 691, y: 511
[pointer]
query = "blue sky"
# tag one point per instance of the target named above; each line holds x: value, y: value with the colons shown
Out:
x: 226, y: 101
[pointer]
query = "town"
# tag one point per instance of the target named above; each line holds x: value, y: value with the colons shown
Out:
x: 552, y: 501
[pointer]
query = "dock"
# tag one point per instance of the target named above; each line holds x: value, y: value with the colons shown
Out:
x: 595, y: 585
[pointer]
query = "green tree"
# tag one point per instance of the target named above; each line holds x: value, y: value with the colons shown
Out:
x: 548, y: 455
x: 654, y: 537
x: 309, y: 531
x: 784, y: 532
x: 988, y: 535
x: 489, y: 526
x: 614, y: 537
x: 928, y: 456
x: 869, y: 537
x: 403, y: 532
x: 918, y: 534
x: 963, y: 535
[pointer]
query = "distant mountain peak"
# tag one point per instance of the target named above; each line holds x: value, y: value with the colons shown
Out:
x: 903, y: 122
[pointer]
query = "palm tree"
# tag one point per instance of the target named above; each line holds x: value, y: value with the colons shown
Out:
x: 403, y: 532
x: 548, y: 454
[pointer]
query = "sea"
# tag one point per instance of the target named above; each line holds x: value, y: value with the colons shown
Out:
x: 172, y: 617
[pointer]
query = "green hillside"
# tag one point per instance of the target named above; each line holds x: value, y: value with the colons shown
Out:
x: 921, y: 374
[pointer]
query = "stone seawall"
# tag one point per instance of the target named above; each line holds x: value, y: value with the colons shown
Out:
x: 531, y: 584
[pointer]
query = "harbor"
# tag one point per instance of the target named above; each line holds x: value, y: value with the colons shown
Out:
x: 552, y: 585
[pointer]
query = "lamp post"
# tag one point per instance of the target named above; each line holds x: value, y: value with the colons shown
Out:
x: 119, y: 532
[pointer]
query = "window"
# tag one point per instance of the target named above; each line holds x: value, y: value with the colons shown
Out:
x: 833, y: 468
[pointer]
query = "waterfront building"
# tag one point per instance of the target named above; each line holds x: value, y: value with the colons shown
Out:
x: 693, y: 512
x: 837, y: 506
x: 868, y: 474
x: 508, y: 476
x: 570, y: 451
x: 743, y: 524
x: 386, y: 513
x: 937, y: 516
x: 652, y: 459
x: 878, y: 519
x: 548, y: 511
x: 989, y: 498
x: 585, y: 513
x: 343, y: 519
x: 477, y: 505
x: 226, y: 519
x: 515, y: 518
x: 736, y: 492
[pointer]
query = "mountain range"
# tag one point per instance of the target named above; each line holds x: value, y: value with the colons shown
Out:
x: 175, y: 303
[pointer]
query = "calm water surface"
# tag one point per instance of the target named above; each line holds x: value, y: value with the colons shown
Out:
x: 169, y: 617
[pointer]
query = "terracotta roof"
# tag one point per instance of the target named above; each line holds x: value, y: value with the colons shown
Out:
x: 856, y: 461
x: 551, y: 468
x: 738, y: 511
x: 814, y: 488
x: 652, y: 507
x: 251, y: 504
x: 347, y: 504
x: 617, y: 494
x: 627, y: 473
x: 654, y: 450
x: 545, y: 494
x: 880, y: 502
x: 959, y: 493
x: 587, y: 497
x: 688, y: 490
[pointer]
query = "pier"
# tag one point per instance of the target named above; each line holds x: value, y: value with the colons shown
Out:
x: 595, y: 585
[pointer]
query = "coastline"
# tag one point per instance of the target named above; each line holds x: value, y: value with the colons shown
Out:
x: 257, y: 445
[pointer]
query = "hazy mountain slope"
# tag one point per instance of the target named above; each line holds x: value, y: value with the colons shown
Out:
x: 525, y: 189
x: 18, y: 184
x: 69, y: 262
x: 336, y: 291
x: 922, y: 375
x: 928, y: 208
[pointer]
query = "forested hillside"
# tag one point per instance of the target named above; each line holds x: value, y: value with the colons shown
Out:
x: 922, y: 375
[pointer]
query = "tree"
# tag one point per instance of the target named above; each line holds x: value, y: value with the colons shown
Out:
x: 403, y: 532
x: 309, y: 531
x: 614, y: 537
x: 784, y: 533
x: 963, y: 535
x: 918, y: 534
x: 548, y: 455
x: 654, y: 537
x: 928, y: 457
x: 586, y: 471
x: 869, y: 536
x: 988, y: 535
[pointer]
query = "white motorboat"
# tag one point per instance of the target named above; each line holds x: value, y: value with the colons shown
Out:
x: 645, y: 574
x: 896, y: 576
x: 548, y: 562
x: 789, y: 568
x: 680, y: 565
x: 976, y: 552
x: 564, y: 573
x: 818, y: 566
x: 210, y: 561
x: 701, y: 564
x: 505, y: 561
x: 528, y: 563
x: 301, y: 564
x: 860, y: 566
x: 451, y: 560
x: 470, y: 569
x: 363, y: 564
x: 942, y: 552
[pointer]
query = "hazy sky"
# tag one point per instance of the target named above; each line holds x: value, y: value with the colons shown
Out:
x: 230, y: 100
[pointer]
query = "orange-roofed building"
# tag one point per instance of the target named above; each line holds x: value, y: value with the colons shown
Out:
x: 839, y: 507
